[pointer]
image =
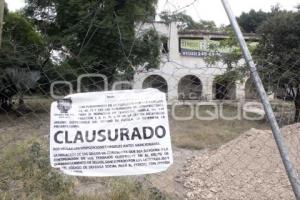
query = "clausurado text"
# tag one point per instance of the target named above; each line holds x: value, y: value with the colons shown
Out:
x: 122, y: 134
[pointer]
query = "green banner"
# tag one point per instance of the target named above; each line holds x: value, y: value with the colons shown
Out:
x: 192, y: 44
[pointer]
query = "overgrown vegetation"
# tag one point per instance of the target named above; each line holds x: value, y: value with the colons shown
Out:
x: 278, y: 55
x: 26, y: 174
x: 97, y: 36
x: 62, y: 39
x: 21, y: 58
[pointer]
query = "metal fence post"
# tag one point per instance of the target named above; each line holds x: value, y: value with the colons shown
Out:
x: 289, y: 167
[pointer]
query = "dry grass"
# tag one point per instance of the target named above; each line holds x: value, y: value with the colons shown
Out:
x: 23, y: 129
x: 196, y: 134
x: 25, y: 173
x: 190, y: 134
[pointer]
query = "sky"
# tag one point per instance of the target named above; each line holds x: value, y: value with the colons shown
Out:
x: 204, y: 9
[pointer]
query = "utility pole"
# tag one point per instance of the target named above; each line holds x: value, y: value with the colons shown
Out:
x: 2, y: 5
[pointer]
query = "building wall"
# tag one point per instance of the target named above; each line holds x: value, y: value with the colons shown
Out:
x: 174, y: 67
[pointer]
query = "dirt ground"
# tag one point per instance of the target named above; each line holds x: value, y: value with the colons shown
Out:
x: 248, y: 167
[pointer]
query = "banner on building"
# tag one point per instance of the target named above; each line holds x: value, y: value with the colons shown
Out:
x: 111, y: 133
x: 199, y: 47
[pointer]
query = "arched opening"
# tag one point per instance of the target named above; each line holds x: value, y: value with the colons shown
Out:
x: 157, y: 82
x: 190, y: 88
x: 250, y: 90
x: 224, y: 89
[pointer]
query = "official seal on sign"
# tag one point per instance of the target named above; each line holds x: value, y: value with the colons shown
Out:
x: 64, y: 105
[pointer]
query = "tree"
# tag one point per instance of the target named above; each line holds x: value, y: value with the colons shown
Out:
x: 250, y: 21
x: 22, y: 44
x: 98, y: 36
x: 278, y: 54
x: 187, y: 22
x: 21, y: 53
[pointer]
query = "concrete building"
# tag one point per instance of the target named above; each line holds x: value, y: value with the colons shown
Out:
x: 184, y: 73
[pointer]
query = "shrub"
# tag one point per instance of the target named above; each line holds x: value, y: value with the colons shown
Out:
x: 26, y: 174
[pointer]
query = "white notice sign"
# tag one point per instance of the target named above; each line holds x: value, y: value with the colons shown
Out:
x: 111, y: 133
